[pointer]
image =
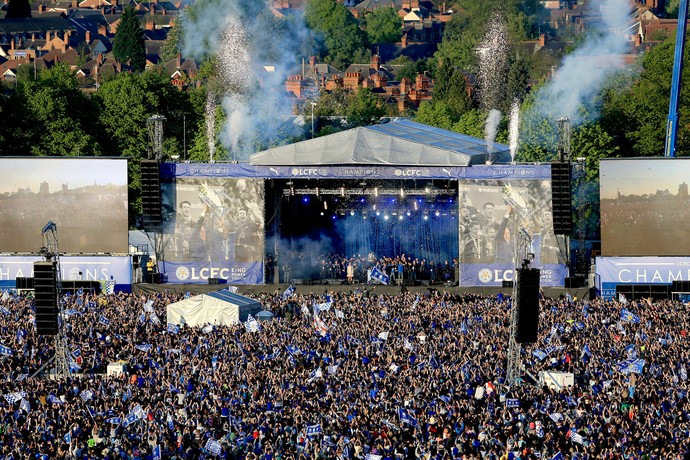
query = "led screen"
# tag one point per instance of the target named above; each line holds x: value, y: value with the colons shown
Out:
x: 213, y: 228
x: 493, y: 215
x: 644, y: 207
x: 85, y: 198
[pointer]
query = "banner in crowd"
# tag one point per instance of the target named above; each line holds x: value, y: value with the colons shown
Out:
x: 494, y: 212
x: 612, y: 271
x: 213, y: 227
x: 74, y: 268
x: 85, y: 198
x: 243, y: 170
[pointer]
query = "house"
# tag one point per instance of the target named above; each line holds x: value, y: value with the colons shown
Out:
x: 181, y: 71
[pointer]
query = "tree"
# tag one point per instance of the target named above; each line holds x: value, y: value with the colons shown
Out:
x: 471, y: 123
x: 128, y: 45
x: 342, y: 37
x: 18, y: 9
x: 173, y: 43
x: 383, y: 26
x: 364, y: 108
x: 436, y: 113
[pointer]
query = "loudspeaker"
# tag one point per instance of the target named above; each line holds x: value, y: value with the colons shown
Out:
x: 213, y: 281
x: 527, y: 305
x: 151, y: 193
x: 560, y: 198
x: 676, y: 286
x: 507, y: 284
x: 45, y: 296
x: 24, y: 283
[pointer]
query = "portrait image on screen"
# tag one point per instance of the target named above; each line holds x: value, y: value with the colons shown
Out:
x: 491, y: 211
x: 85, y: 197
x: 644, y: 207
x: 217, y: 222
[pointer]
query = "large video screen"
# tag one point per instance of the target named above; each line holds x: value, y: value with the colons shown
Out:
x: 213, y: 228
x: 85, y: 197
x: 493, y: 213
x: 644, y: 207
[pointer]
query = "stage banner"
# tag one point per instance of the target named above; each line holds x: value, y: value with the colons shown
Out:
x: 516, y: 203
x: 243, y: 170
x: 612, y: 271
x: 213, y: 228
x: 495, y: 274
x: 74, y: 268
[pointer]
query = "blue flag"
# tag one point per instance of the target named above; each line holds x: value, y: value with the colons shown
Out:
x: 104, y: 320
x: 313, y: 430
x: 7, y: 351
x: 627, y: 315
x: 512, y: 403
x: 288, y: 292
x: 156, y: 454
x: 405, y: 417
x: 380, y: 276
x: 173, y: 328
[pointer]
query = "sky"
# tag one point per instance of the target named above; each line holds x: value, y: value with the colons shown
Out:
x: 643, y: 176
x: 77, y: 172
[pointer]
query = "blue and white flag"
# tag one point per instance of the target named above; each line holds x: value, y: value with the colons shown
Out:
x: 131, y: 418
x: 5, y: 296
x: 76, y: 352
x: 252, y: 325
x: 52, y: 399
x: 373, y: 457
x: 80, y: 291
x: 293, y: 350
x: 13, y: 397
x: 627, y: 315
x: 575, y: 437
x: 73, y: 366
x: 631, y: 365
x: 586, y: 350
x: 173, y: 328
x: 444, y: 398
x: 512, y: 403
x: 114, y: 420
x: 539, y: 354
x: 207, y: 329
x: 213, y: 447
x: 25, y: 406
x: 7, y: 351
x: 313, y: 430
x: 145, y: 347
x: 288, y: 292
x: 539, y: 428
x: 142, y: 318
x: 326, y: 306
x: 406, y: 418
x: 557, y: 417
x: 683, y: 373
x: 379, y: 276
x: 154, y: 319
x: 558, y: 456
x: 156, y: 454
x: 104, y: 320
x: 86, y: 395
x: 569, y: 297
x: 4, y: 310
x: 68, y: 437
x: 631, y: 351
x: 148, y: 307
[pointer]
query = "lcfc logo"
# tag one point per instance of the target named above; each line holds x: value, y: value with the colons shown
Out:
x: 484, y: 275
x: 182, y: 273
x: 73, y: 274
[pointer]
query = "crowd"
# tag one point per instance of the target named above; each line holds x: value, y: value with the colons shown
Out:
x: 348, y: 376
x: 400, y: 268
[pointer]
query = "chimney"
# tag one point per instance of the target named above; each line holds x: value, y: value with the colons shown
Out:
x: 403, y: 41
x: 87, y: 36
x: 404, y: 86
x: 150, y: 25
x: 74, y: 4
x: 312, y: 61
x: 375, y: 62
x: 12, y: 43
x: 178, y: 61
x: 113, y: 2
x: 41, y: 8
x: 638, y: 39
x: 103, y: 30
x: 164, y: 12
x: 33, y: 37
x: 542, y: 39
x: 48, y: 36
x: 100, y: 58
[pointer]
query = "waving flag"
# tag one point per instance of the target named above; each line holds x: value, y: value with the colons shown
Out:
x: 406, y: 418
x: 86, y: 395
x: 104, y: 320
x: 148, y: 306
x: 114, y: 420
x: 213, y: 447
x: 7, y: 351
x: 320, y: 326
x: 627, y: 315
x: 512, y: 403
x: 25, y: 406
x: 288, y: 292
x: 380, y: 276
x: 313, y: 430
x: 207, y: 329
x: 144, y: 347
x: 173, y: 328
x: 252, y: 325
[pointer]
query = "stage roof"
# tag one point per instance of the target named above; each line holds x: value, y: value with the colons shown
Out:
x: 399, y: 142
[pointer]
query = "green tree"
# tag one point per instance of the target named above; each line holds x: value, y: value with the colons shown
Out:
x: 436, y: 113
x: 18, y: 9
x: 128, y: 45
x: 342, y: 37
x: 471, y: 123
x: 364, y: 108
x: 383, y: 25
x: 173, y: 43
x: 451, y: 86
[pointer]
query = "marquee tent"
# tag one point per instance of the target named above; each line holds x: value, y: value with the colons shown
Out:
x: 399, y: 142
x: 221, y: 308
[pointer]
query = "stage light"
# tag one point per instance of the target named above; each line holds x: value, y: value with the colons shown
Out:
x: 376, y: 191
x: 322, y: 213
x: 374, y: 207
x: 333, y: 217
x: 378, y: 213
x: 325, y: 205
x: 385, y: 217
x: 400, y: 217
x: 305, y: 199
x: 342, y: 191
x: 392, y: 200
x: 361, y: 200
x: 402, y: 193
x: 408, y: 214
x: 352, y: 212
x: 438, y: 213
x: 415, y: 206
x: 317, y: 191
x: 427, y: 190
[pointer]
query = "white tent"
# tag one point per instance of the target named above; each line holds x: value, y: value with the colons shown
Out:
x: 221, y: 308
x: 400, y: 142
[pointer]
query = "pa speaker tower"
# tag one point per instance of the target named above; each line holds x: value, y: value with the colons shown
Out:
x: 527, y: 305
x: 151, y: 193
x: 560, y: 198
x: 46, y: 297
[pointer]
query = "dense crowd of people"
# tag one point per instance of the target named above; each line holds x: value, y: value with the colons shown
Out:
x: 347, y: 376
x: 402, y: 268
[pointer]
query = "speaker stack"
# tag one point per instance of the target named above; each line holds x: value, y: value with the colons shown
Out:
x: 527, y: 305
x: 151, y: 194
x: 45, y: 296
x: 561, y: 198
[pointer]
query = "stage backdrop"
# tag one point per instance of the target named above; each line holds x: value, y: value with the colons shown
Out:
x: 494, y: 202
x: 645, y: 207
x: 86, y: 198
x: 213, y: 228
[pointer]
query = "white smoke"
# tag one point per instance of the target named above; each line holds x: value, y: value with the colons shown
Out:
x: 583, y: 72
x: 254, y: 60
x: 514, y: 128
x: 491, y: 127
